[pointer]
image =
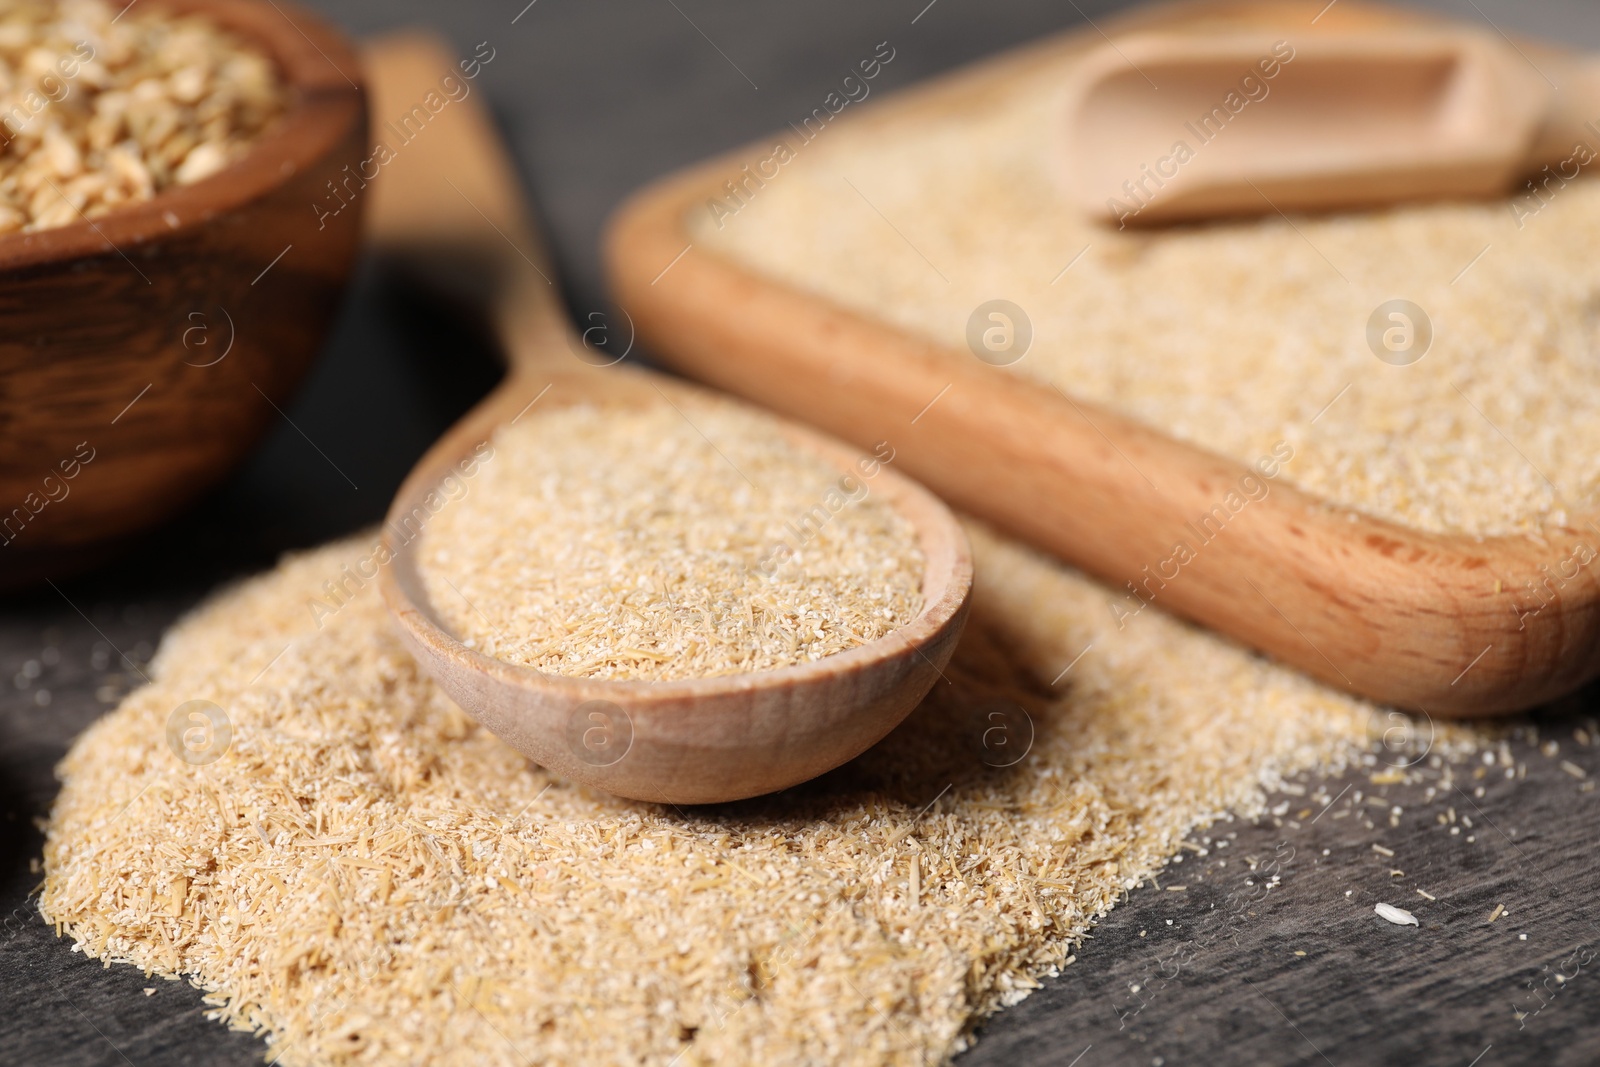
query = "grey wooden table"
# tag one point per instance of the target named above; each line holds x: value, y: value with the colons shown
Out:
x: 1271, y: 953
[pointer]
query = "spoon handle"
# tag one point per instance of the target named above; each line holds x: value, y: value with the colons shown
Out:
x: 454, y: 211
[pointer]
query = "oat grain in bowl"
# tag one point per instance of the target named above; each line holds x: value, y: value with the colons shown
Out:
x: 661, y: 543
x: 100, y: 109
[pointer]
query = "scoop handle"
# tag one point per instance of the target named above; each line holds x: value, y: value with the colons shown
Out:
x: 455, y: 212
x: 1574, y: 115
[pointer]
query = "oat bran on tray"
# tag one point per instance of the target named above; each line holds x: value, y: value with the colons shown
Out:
x: 1233, y: 336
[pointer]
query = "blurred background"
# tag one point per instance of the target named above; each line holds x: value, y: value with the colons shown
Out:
x: 596, y: 98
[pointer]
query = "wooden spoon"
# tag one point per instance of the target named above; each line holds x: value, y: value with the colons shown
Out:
x: 448, y: 203
x: 1173, y: 126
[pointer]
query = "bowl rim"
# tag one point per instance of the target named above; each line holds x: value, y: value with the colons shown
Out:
x: 322, y: 73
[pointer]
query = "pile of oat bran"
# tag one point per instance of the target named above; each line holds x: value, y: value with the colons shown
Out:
x: 365, y: 876
x: 579, y: 552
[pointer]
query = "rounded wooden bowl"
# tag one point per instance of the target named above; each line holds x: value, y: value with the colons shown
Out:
x: 142, y: 352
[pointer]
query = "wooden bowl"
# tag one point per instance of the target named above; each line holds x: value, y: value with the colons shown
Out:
x: 142, y: 353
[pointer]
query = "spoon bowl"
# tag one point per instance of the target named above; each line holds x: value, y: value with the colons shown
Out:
x: 688, y: 741
x: 450, y: 207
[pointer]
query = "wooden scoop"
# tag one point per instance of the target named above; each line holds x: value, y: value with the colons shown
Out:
x: 1174, y: 126
x: 448, y: 204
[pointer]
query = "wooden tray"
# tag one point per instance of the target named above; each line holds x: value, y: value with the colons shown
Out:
x: 1421, y: 620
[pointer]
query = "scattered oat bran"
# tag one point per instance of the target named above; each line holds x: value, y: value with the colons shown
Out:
x: 646, y: 544
x: 103, y: 106
x: 1231, y: 336
x: 1398, y: 916
x: 366, y: 876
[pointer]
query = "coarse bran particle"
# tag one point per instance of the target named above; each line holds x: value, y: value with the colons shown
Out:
x: 1398, y: 916
x: 103, y: 106
x: 647, y: 543
x: 368, y: 877
x: 1230, y: 336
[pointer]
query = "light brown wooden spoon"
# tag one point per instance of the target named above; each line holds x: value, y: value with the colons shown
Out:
x: 448, y: 203
x: 1174, y: 126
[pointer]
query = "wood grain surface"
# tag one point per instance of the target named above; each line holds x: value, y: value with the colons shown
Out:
x: 597, y: 104
x: 1428, y: 621
x: 1272, y: 951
